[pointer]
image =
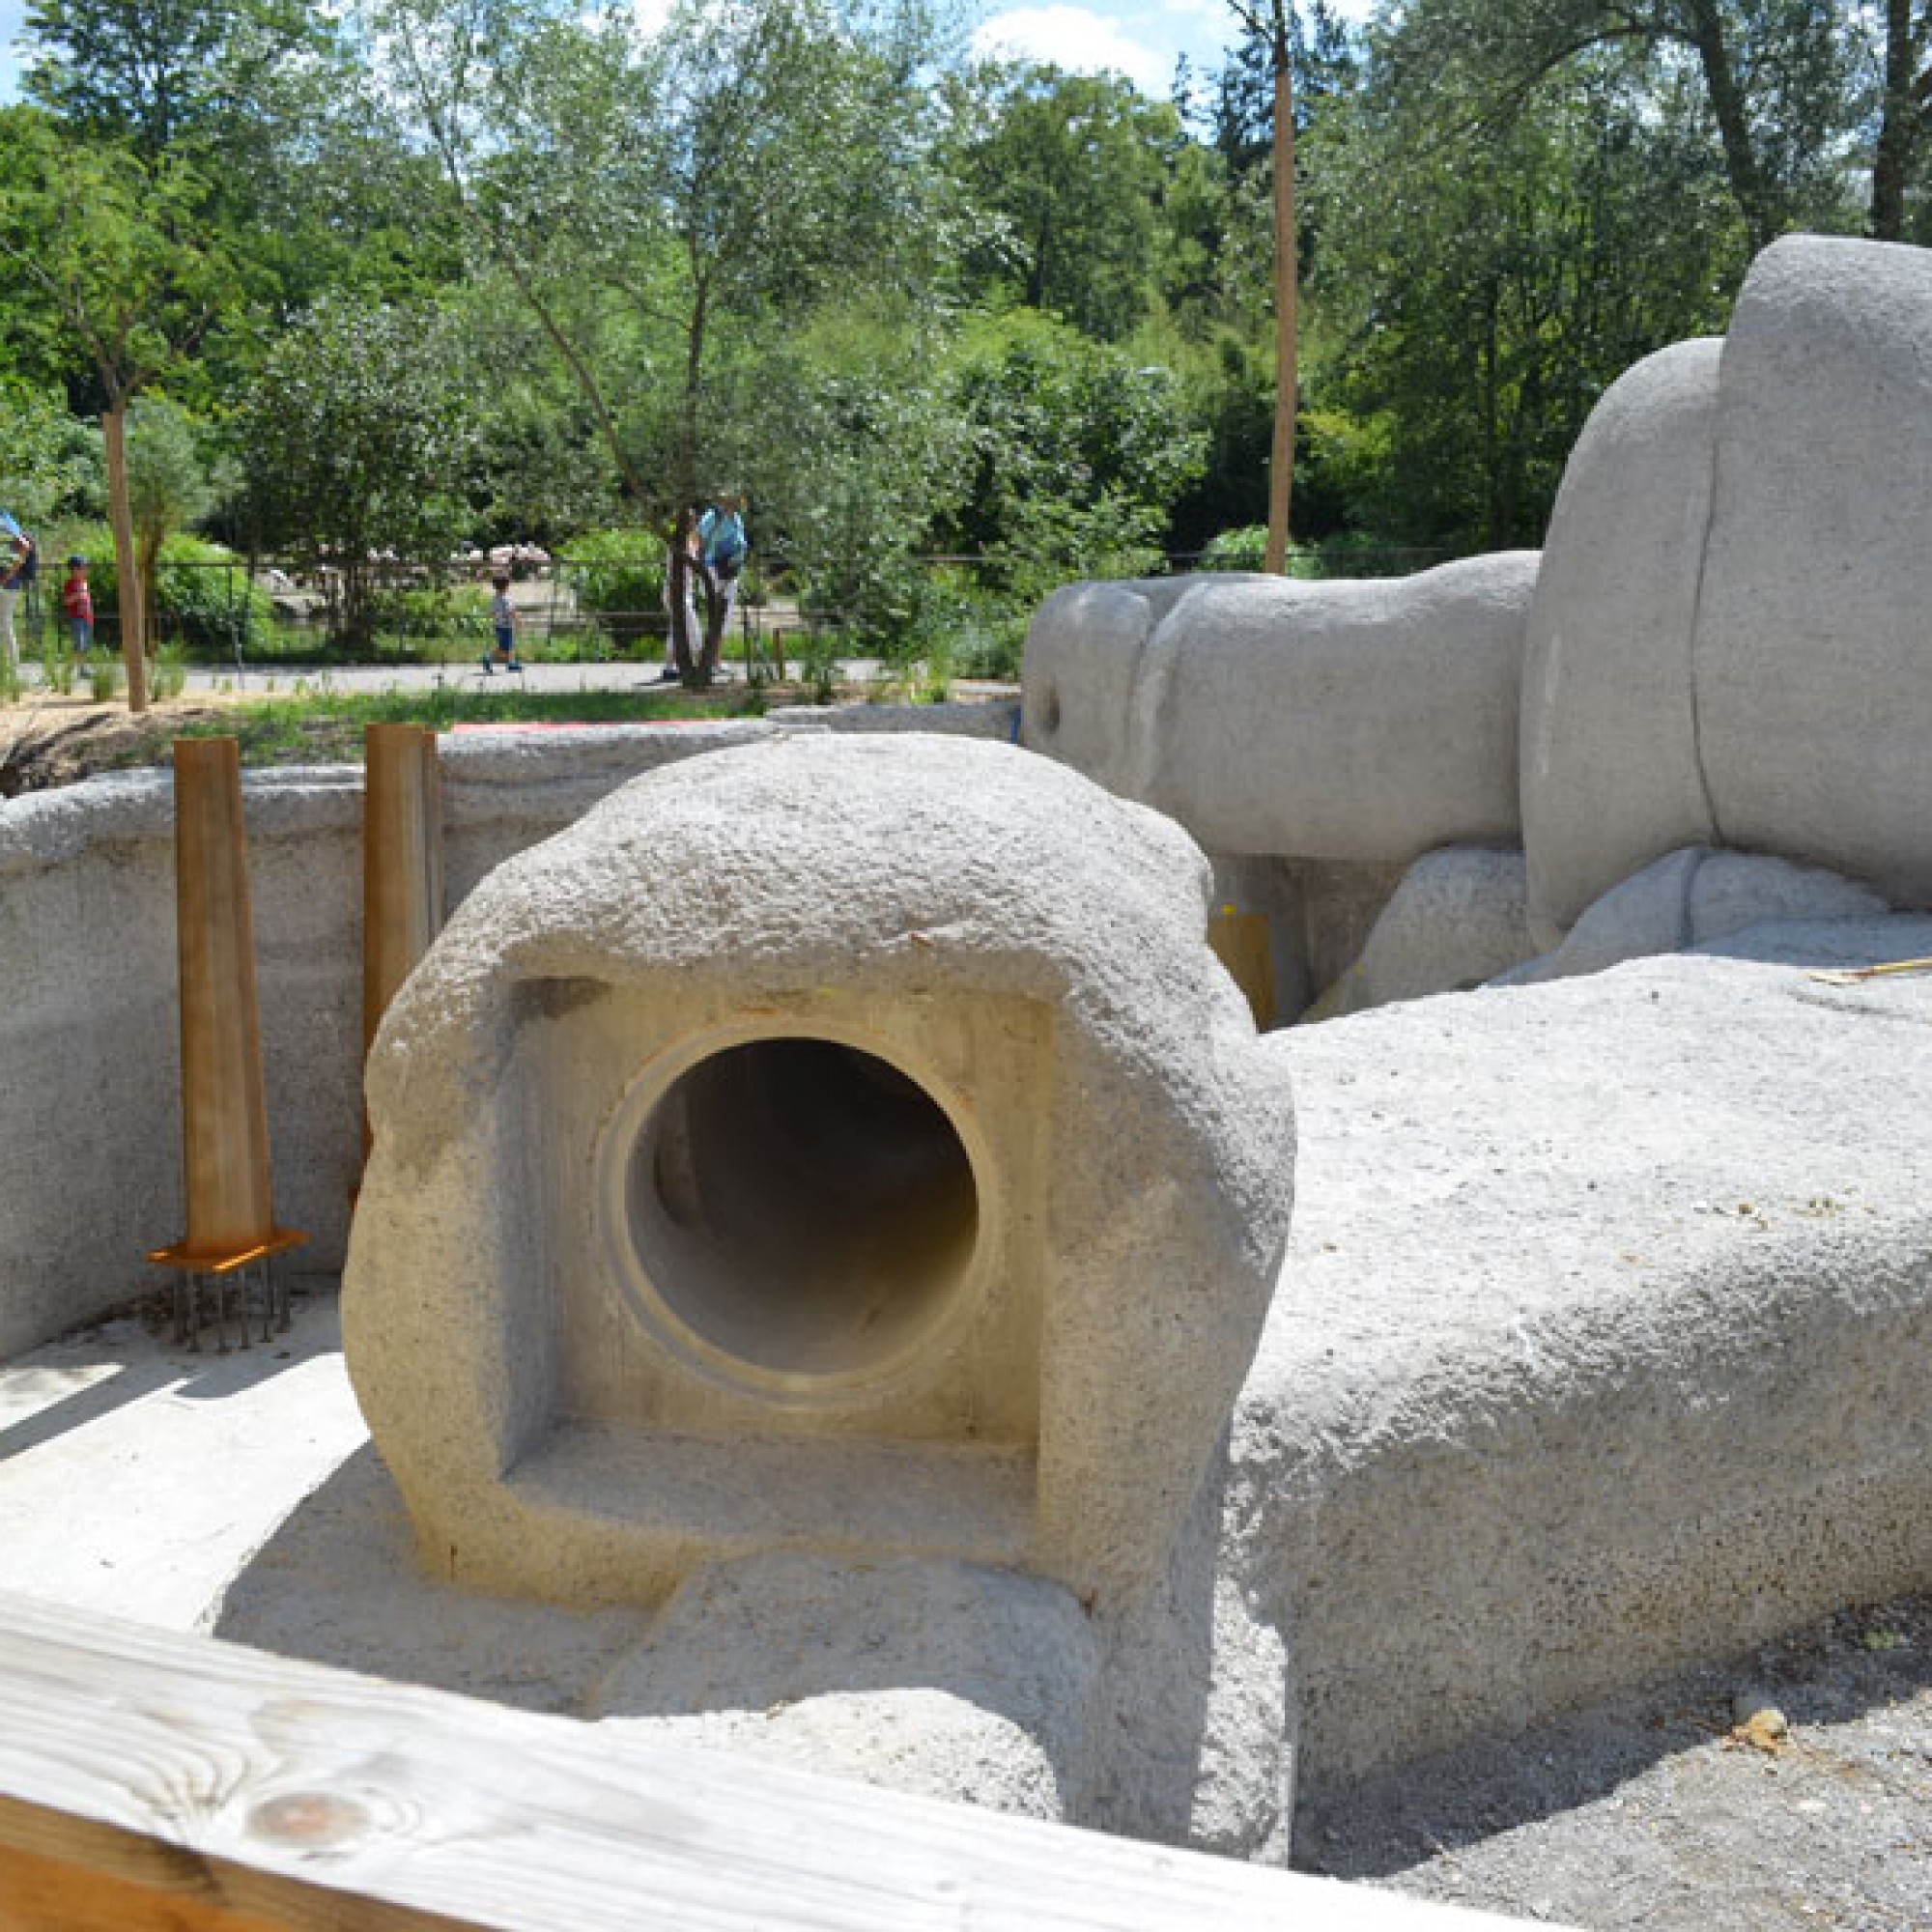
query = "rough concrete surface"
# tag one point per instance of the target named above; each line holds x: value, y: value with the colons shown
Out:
x: 1603, y: 1337
x: 587, y: 1374
x: 1784, y: 1789
x: 1690, y: 899
x: 1354, y: 721
x: 1611, y: 771
x: 1455, y: 922
x: 237, y: 1494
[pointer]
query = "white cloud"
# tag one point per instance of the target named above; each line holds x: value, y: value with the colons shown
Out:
x: 1074, y: 38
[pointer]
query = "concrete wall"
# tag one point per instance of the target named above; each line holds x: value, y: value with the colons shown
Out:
x: 90, y: 1122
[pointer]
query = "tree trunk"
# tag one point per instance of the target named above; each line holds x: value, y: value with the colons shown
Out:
x: 1898, y: 126
x: 132, y: 593
x: 683, y: 646
x: 1281, y: 460
x: 1714, y: 55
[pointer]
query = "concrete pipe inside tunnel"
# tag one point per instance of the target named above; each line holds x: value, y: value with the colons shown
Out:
x: 802, y: 1215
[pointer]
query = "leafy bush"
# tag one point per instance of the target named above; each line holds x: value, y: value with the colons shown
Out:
x: 1243, y: 549
x: 619, y: 578
x: 418, y: 610
x: 203, y: 599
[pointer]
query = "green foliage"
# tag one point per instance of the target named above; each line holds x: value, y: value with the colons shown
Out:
x: 57, y: 663
x: 1242, y: 549
x: 1484, y: 300
x: 167, y: 674
x: 356, y: 436
x: 1066, y: 174
x: 204, y: 602
x: 1077, y: 454
x: 619, y: 578
x: 49, y: 461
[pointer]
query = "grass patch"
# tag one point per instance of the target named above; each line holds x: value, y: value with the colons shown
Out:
x: 326, y: 727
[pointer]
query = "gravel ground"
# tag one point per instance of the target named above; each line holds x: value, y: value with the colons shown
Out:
x: 1790, y: 1788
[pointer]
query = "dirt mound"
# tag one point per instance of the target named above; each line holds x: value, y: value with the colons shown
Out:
x: 59, y: 741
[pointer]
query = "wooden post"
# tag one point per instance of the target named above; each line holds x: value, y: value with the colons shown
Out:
x: 402, y: 865
x: 1239, y: 940
x: 224, y: 1102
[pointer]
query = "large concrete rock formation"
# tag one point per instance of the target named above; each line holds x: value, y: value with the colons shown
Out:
x: 1728, y: 642
x: 1722, y: 643
x: 1335, y: 721
x: 838, y: 1146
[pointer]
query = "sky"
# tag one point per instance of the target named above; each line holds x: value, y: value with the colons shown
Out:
x: 1141, y: 38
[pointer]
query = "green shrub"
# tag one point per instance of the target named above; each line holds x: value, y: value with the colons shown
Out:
x: 167, y: 672
x: 414, y: 611
x: 618, y: 579
x: 103, y: 679
x: 57, y: 665
x: 1243, y: 549
x: 203, y: 599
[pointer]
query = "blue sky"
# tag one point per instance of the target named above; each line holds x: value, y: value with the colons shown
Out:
x: 11, y: 15
x: 1142, y: 39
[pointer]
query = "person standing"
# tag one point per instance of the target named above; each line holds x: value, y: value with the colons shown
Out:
x: 722, y: 544
x: 77, y: 604
x: 16, y: 571
x: 504, y: 626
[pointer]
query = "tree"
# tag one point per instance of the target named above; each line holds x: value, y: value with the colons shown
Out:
x: 1773, y: 76
x: 660, y: 204
x: 1275, y: 25
x: 1064, y: 175
x: 49, y: 461
x: 161, y: 73
x: 1904, y: 113
x: 1076, y: 453
x: 1483, y: 301
x: 170, y: 485
x: 120, y: 247
x: 359, y: 436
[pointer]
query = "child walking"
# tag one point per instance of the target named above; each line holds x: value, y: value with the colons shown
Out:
x: 78, y: 602
x: 503, y: 621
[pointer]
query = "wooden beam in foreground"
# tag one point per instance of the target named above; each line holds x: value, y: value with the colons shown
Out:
x: 150, y: 1779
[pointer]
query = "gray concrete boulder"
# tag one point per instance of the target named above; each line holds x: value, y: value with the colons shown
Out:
x: 1814, y: 660
x: 837, y: 1144
x: 1328, y: 720
x: 1692, y: 898
x: 1611, y: 777
x: 1607, y: 1342
x: 1454, y: 923
x: 1728, y: 643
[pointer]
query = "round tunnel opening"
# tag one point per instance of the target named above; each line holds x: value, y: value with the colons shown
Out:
x: 804, y: 1213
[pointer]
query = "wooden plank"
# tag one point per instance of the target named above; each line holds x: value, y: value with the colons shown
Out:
x: 200, y: 1786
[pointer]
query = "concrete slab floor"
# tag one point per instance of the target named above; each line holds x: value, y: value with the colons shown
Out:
x: 239, y: 1494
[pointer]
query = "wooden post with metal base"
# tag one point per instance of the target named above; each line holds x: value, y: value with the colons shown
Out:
x: 231, y: 1238
x: 402, y: 865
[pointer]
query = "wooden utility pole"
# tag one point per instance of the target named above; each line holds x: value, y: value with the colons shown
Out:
x: 1276, y: 27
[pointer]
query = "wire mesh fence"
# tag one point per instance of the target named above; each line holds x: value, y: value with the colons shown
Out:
x: 255, y: 612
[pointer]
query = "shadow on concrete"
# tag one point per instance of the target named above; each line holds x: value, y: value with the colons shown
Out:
x: 758, y: 1655
x: 339, y: 1583
x: 1836, y: 1672
x: 150, y: 1366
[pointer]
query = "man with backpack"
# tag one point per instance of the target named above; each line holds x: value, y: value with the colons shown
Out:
x: 722, y: 550
x: 17, y: 569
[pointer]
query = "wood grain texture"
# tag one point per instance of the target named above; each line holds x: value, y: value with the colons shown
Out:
x: 221, y: 1789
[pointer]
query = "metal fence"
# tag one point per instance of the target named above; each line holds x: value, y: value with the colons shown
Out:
x: 251, y: 612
